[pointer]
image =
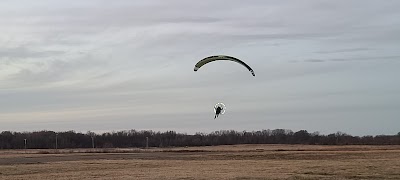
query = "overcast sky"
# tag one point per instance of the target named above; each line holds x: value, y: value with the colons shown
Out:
x: 320, y: 65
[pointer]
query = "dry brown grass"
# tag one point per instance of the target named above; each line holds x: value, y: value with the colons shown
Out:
x: 219, y: 162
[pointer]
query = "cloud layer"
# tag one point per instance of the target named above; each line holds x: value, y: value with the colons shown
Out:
x: 97, y: 65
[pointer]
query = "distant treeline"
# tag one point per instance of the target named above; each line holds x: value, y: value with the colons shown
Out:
x: 134, y: 138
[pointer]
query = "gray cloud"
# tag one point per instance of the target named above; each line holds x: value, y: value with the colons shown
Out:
x: 353, y: 59
x: 24, y: 52
x: 314, y: 60
x: 345, y: 50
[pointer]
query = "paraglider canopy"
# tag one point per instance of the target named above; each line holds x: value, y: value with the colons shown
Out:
x: 221, y: 57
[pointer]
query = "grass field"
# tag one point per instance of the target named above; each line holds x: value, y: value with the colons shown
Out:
x: 217, y: 162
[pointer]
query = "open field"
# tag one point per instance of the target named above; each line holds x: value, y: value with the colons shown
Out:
x: 218, y: 162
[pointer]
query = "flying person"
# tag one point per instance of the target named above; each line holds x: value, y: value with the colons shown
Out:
x: 218, y: 111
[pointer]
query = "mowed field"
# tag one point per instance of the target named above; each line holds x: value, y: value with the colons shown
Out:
x: 214, y: 162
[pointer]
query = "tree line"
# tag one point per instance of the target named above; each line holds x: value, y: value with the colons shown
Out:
x: 133, y: 138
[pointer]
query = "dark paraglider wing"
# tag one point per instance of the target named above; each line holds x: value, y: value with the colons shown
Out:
x: 222, y: 57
